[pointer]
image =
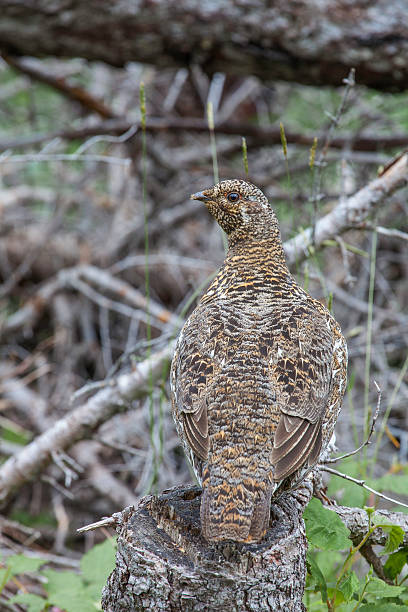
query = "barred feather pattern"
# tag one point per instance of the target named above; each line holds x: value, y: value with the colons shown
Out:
x: 258, y: 373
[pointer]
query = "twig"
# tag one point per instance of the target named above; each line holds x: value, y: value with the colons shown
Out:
x: 108, y: 521
x: 24, y: 267
x: 78, y: 94
x: 6, y: 158
x: 394, y: 233
x: 81, y: 422
x: 362, y: 484
x: 51, y: 481
x: 100, y: 476
x: 368, y: 439
x: 352, y: 212
x: 321, y: 160
x: 256, y: 135
x: 71, y: 278
x: 369, y: 555
x: 349, y: 279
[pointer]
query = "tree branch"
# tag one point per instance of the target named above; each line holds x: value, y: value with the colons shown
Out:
x: 349, y: 213
x: 309, y: 42
x: 75, y: 93
x: 256, y: 135
x: 80, y: 423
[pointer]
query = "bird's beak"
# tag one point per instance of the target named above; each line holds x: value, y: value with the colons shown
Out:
x: 200, y: 195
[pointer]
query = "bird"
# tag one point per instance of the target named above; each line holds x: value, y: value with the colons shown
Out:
x: 258, y: 373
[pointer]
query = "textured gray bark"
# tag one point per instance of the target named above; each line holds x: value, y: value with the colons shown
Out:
x: 308, y: 41
x: 163, y: 563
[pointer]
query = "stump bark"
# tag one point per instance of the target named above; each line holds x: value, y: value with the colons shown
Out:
x: 163, y: 562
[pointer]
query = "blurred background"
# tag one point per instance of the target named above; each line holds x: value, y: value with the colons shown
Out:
x: 95, y: 217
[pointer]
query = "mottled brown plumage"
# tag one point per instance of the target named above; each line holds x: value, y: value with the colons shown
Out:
x: 258, y: 373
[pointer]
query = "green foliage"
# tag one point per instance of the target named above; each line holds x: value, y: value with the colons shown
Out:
x: 19, y: 564
x: 342, y: 588
x: 11, y: 432
x: 40, y: 519
x: 324, y: 528
x: 317, y: 576
x: 33, y: 603
x: 394, y: 532
x: 396, y: 562
x: 380, y: 589
x: 65, y: 589
x: 384, y: 606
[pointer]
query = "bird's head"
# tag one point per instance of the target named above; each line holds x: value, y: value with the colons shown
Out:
x: 241, y: 209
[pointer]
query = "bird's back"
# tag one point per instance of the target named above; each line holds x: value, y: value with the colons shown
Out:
x: 257, y: 382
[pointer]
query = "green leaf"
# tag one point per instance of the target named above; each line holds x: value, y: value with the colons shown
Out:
x: 19, y: 564
x: 316, y: 573
x: 395, y: 538
x: 324, y: 528
x: 4, y: 577
x: 34, y: 603
x: 395, y: 533
x: 379, y: 588
x: 349, y: 585
x: 66, y: 591
x: 97, y: 564
x: 396, y: 562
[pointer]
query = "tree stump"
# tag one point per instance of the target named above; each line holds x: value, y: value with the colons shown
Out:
x: 163, y: 562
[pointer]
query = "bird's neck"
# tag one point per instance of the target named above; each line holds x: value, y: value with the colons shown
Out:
x: 261, y: 258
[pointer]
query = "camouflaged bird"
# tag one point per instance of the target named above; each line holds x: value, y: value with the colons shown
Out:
x: 258, y: 374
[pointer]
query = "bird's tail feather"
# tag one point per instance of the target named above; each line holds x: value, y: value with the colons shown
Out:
x: 234, y: 512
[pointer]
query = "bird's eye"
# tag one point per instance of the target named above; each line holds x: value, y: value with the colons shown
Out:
x: 233, y: 196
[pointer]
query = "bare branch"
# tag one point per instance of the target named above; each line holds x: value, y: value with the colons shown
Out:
x: 351, y: 212
x: 81, y: 422
x: 108, y: 521
x: 256, y: 135
x: 370, y: 433
x: 361, y: 483
x: 356, y: 520
x: 266, y: 39
x: 67, y: 278
x: 76, y: 93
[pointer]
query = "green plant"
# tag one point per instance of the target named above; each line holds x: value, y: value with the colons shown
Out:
x: 340, y: 588
x: 69, y: 591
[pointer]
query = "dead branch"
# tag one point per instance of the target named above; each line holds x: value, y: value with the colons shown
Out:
x: 367, y: 441
x: 256, y: 135
x: 362, y: 483
x: 309, y: 42
x: 356, y: 520
x: 101, y: 478
x: 118, y: 396
x: 349, y: 213
x: 75, y: 93
x: 69, y: 278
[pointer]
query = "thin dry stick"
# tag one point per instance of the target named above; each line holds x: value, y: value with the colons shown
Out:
x: 74, y: 92
x: 363, y: 484
x: 107, y: 521
x: 257, y: 135
x: 81, y: 422
x: 350, y: 213
x: 368, y: 439
x: 321, y: 160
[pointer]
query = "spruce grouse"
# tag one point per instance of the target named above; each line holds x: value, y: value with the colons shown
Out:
x: 258, y: 374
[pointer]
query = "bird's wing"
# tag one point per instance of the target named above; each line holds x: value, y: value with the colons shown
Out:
x: 300, y: 373
x: 193, y: 371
